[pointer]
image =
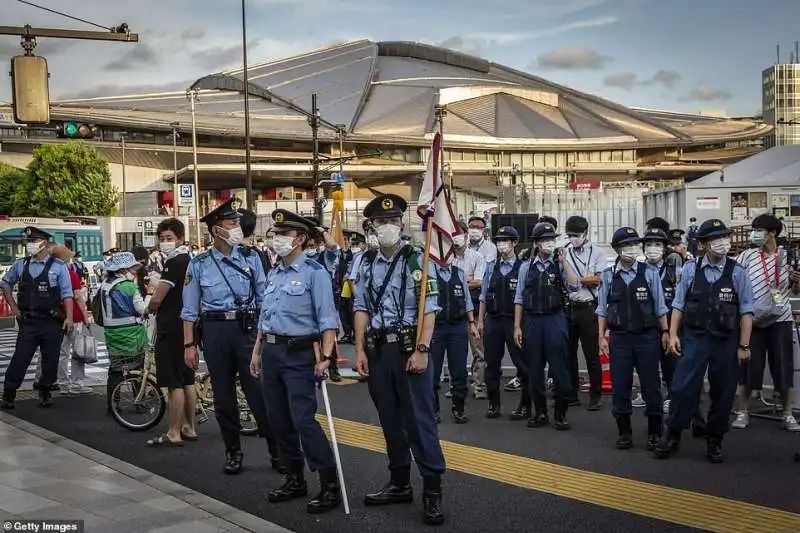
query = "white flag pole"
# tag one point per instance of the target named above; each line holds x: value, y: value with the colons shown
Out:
x: 335, y: 446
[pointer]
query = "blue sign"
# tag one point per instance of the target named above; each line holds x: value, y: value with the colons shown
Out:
x: 340, y: 177
x: 186, y: 191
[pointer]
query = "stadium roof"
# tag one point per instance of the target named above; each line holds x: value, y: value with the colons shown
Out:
x: 776, y: 167
x: 386, y: 92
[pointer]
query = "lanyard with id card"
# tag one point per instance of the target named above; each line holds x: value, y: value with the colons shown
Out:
x: 774, y: 290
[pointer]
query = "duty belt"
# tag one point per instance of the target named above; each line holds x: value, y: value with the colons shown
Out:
x: 583, y: 303
x: 220, y: 315
x: 297, y: 343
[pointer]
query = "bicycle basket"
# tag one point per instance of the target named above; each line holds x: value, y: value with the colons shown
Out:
x: 122, y: 363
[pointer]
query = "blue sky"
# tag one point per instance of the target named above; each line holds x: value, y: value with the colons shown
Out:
x: 679, y: 55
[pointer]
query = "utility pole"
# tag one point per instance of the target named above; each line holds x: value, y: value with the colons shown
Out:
x: 192, y: 95
x: 245, y: 75
x: 124, y: 181
x: 175, y: 209
x: 314, y: 122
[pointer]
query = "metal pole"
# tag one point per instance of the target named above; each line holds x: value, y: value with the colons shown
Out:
x: 175, y: 209
x: 248, y: 169
x: 315, y: 160
x: 192, y: 98
x: 124, y: 181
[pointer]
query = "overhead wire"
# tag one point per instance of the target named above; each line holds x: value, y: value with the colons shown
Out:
x: 63, y: 14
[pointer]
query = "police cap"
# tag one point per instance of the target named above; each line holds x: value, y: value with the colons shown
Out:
x: 286, y: 220
x: 676, y: 236
x: 625, y: 235
x: 712, y: 228
x: 655, y: 235
x: 225, y: 211
x: 34, y: 234
x: 506, y: 233
x: 385, y: 206
x: 544, y: 230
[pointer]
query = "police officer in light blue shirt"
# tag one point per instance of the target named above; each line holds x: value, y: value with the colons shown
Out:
x: 43, y: 310
x: 223, y: 293
x: 298, y: 312
x: 714, y: 303
x: 392, y: 349
x: 630, y: 304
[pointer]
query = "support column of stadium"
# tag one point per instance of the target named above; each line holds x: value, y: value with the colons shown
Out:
x: 248, y: 170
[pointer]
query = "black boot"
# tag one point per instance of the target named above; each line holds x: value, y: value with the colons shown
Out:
x: 458, y: 411
x: 432, y: 514
x: 233, y: 461
x: 539, y: 419
x: 329, y: 496
x: 560, y: 415
x: 653, y: 432
x: 494, y: 404
x: 294, y: 486
x: 398, y: 490
x: 714, y: 449
x: 523, y: 410
x: 45, y: 397
x: 669, y: 444
x: 625, y: 439
x: 333, y: 371
x: 9, y: 397
x: 698, y: 426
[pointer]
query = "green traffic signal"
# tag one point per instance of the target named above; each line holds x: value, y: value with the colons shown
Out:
x: 70, y: 129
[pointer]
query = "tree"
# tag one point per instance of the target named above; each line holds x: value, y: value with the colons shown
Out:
x: 10, y: 179
x: 66, y: 180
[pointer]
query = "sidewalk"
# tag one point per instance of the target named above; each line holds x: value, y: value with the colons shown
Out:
x: 45, y: 476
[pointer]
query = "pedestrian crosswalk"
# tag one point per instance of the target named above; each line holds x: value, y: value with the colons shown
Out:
x: 95, y: 373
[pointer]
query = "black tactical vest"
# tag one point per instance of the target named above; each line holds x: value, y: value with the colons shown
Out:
x: 631, y: 305
x: 502, y: 289
x: 36, y: 295
x: 669, y: 280
x: 712, y: 307
x: 452, y: 298
x: 543, y: 292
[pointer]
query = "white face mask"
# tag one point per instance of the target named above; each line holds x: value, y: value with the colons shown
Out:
x: 547, y: 247
x: 355, y: 248
x: 167, y: 247
x: 505, y: 247
x: 720, y: 247
x: 235, y: 235
x: 630, y: 253
x: 33, y: 248
x: 578, y: 241
x: 283, y: 245
x: 310, y: 252
x: 388, y: 234
x: 475, y: 234
x: 372, y: 240
x: 459, y: 240
x: 654, y: 254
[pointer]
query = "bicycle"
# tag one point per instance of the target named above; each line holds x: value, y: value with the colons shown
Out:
x: 205, y: 404
x: 139, y: 384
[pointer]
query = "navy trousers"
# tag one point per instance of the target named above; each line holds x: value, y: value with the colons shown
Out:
x: 452, y: 340
x: 640, y: 352
x: 545, y: 340
x: 498, y: 334
x: 44, y: 333
x: 406, y: 410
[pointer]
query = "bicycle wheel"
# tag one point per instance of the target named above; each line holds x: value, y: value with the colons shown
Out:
x: 137, y: 415
x: 246, y: 418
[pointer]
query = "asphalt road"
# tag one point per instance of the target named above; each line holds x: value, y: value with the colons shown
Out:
x: 758, y: 469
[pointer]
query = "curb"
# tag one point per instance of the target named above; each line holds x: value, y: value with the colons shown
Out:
x: 223, y: 511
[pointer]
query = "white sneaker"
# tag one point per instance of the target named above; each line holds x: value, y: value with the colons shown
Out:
x: 666, y: 406
x: 742, y: 420
x: 639, y: 401
x: 790, y: 423
x: 79, y: 389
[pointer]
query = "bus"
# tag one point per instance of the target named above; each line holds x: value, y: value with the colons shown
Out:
x: 79, y: 234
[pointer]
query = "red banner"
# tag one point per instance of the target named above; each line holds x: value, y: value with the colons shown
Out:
x: 583, y: 185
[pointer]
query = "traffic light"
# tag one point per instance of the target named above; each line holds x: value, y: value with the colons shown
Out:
x: 76, y: 130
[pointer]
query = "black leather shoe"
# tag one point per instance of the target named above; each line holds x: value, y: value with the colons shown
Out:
x: 278, y: 467
x: 233, y: 462
x: 329, y: 498
x: 523, y: 412
x: 390, y: 494
x: 335, y: 375
x: 494, y: 410
x: 652, y: 442
x: 625, y: 441
x: 45, y: 399
x: 539, y: 420
x: 560, y: 416
x: 714, y: 450
x: 9, y: 397
x: 668, y: 444
x: 294, y: 486
x: 432, y: 514
x: 459, y: 417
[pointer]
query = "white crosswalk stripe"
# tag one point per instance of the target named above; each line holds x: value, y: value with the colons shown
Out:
x: 95, y: 372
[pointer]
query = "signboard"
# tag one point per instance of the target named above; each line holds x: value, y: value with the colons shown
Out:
x: 140, y: 223
x: 149, y: 241
x: 338, y: 177
x: 148, y: 225
x: 708, y: 202
x: 584, y: 185
x: 186, y: 195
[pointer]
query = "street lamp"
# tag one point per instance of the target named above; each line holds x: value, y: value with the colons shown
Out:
x: 192, y: 95
x: 175, y: 135
x: 248, y: 169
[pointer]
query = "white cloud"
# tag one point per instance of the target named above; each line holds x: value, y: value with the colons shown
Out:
x: 573, y: 58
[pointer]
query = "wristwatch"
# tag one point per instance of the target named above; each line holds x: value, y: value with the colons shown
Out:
x: 189, y: 345
x: 745, y: 347
x: 665, y: 331
x: 328, y: 357
x: 423, y: 348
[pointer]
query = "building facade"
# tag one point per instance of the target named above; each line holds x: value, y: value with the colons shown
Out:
x: 781, y: 103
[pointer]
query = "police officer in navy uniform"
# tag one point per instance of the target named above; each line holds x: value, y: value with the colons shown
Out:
x: 714, y: 304
x: 43, y: 310
x: 395, y: 358
x: 357, y: 243
x: 298, y: 311
x: 540, y: 326
x: 631, y: 306
x: 496, y: 322
x: 223, y: 293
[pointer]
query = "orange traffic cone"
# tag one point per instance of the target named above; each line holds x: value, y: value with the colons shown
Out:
x: 605, y: 366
